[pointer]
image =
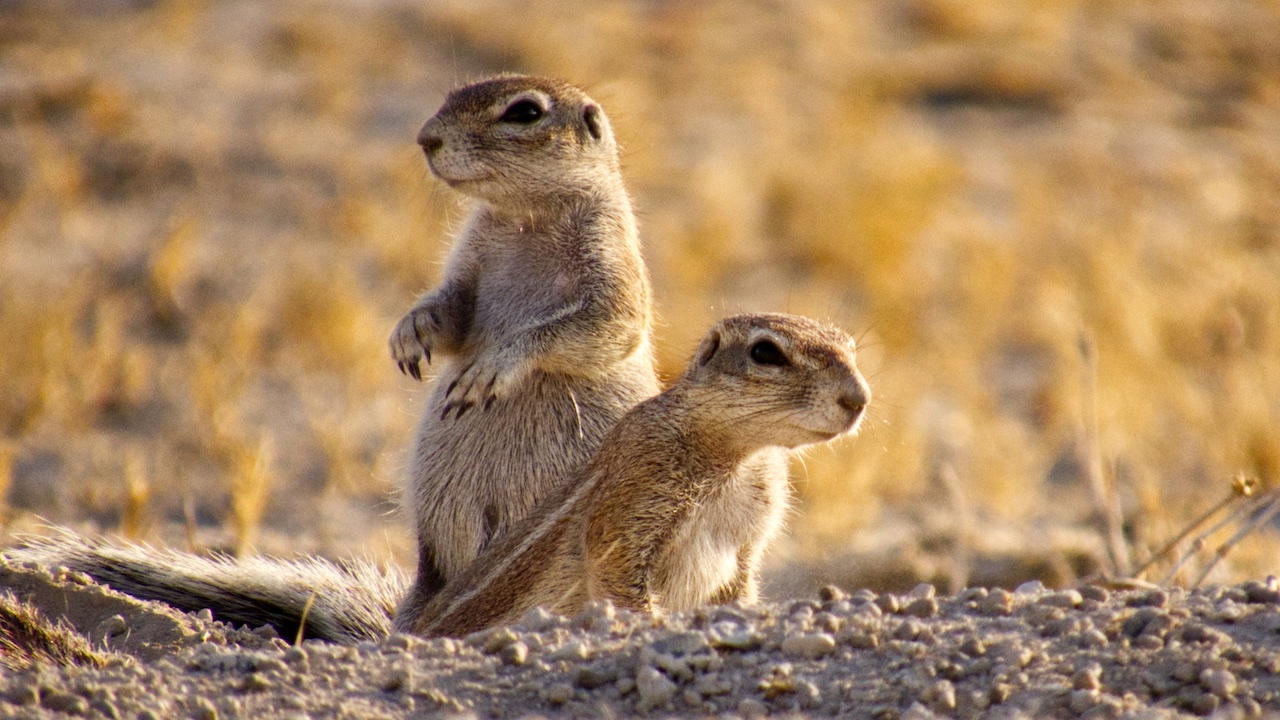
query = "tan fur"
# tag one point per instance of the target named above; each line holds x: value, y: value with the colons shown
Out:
x: 685, y: 492
x: 540, y: 327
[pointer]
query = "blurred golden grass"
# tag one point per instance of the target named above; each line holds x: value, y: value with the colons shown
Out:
x: 213, y: 213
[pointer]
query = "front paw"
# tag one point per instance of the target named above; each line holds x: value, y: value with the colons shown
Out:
x: 482, y: 383
x: 411, y: 340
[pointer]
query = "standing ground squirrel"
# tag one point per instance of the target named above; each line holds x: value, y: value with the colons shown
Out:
x: 543, y: 315
x: 672, y: 512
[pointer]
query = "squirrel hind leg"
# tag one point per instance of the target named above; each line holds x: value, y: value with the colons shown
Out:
x: 426, y: 585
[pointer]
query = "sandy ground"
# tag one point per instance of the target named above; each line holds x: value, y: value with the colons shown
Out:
x: 1091, y: 652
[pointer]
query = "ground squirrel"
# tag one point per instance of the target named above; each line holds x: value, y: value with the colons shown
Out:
x: 543, y: 315
x: 673, y: 511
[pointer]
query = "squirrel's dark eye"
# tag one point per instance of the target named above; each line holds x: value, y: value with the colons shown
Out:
x: 523, y: 112
x: 764, y: 352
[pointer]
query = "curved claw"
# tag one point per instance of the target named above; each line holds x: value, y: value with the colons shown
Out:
x: 462, y: 409
x: 489, y: 402
x: 415, y: 371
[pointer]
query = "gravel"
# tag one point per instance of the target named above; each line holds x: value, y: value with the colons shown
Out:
x: 1085, y: 652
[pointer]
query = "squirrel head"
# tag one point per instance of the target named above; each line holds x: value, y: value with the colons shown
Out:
x: 518, y: 138
x: 778, y: 380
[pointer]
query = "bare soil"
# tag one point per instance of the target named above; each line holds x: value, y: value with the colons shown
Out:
x: 1088, y: 652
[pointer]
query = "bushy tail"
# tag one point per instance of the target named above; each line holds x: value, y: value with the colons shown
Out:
x: 343, y: 602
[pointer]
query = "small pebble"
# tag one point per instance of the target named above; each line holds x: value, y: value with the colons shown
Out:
x: 557, y: 693
x: 515, y: 653
x: 889, y: 603
x: 1229, y: 612
x: 713, y: 684
x: 396, y: 681
x: 810, y: 646
x: 400, y: 641
x: 999, y: 692
x: 1259, y: 592
x: 204, y: 710
x: 997, y: 602
x: 827, y: 621
x: 64, y: 702
x: 831, y: 594
x: 573, y: 650
x: 860, y: 638
x: 685, y: 643
x: 918, y: 711
x: 1030, y: 587
x: 1063, y: 599
x: 493, y: 641
x: 1204, y: 704
x: 597, y: 675
x: 653, y: 687
x: 673, y: 666
x: 941, y: 696
x: 742, y: 640
x: 923, y: 591
x: 1094, y: 593
x: 925, y: 607
x: 539, y: 620
x: 1151, y: 598
x: 752, y: 708
x: 1088, y: 677
x: 1093, y: 638
x: 1148, y: 642
x: 810, y: 695
x: 1219, y: 682
x: 1081, y: 701
x: 256, y: 682
x: 862, y: 596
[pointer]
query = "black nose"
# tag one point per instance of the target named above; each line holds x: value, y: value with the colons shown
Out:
x: 854, y: 400
x: 430, y: 142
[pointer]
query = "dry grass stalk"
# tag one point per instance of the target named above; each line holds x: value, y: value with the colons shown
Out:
x: 1242, y: 487
x: 137, y: 496
x: 1106, y: 498
x: 1265, y: 507
x: 250, y: 486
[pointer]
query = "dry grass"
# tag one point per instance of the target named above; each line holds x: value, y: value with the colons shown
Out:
x: 211, y: 214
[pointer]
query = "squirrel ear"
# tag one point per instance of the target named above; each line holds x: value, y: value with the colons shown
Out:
x: 708, y: 348
x: 594, y: 121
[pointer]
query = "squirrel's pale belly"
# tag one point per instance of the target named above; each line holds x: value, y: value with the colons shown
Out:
x: 705, y: 552
x: 709, y: 566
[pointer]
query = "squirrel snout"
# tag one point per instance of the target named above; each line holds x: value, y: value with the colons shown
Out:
x: 853, y: 399
x: 430, y: 142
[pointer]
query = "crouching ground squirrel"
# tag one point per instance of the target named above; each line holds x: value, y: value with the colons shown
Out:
x: 672, y: 512
x: 542, y: 320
